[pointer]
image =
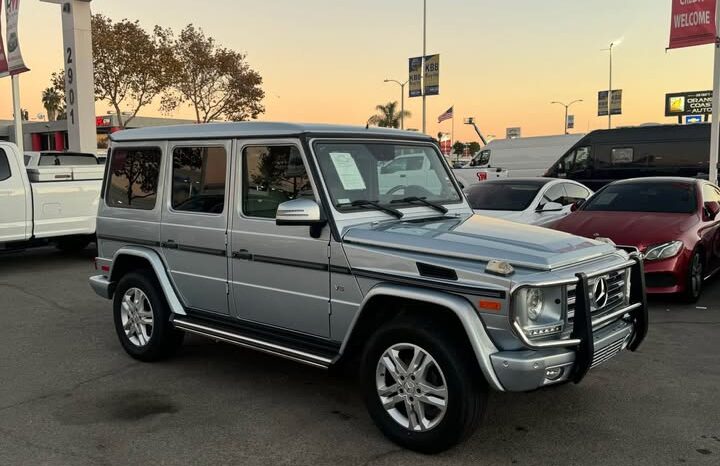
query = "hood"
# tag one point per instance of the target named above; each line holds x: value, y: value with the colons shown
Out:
x: 638, y: 229
x: 480, y: 238
x: 512, y: 216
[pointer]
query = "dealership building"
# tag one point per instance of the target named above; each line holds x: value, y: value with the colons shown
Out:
x: 53, y: 135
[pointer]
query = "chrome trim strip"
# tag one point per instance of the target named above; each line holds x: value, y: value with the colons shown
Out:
x: 614, y: 268
x: 614, y: 315
x: 253, y: 343
x: 542, y: 344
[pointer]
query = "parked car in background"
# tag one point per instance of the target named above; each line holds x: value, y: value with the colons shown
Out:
x: 44, y: 204
x: 515, y: 158
x: 286, y: 239
x: 605, y: 156
x: 533, y: 201
x: 34, y: 159
x: 673, y: 222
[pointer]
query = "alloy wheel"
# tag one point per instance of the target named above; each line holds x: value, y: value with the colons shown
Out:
x: 136, y: 315
x: 412, y: 387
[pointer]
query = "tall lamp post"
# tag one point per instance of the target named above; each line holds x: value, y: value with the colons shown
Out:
x: 402, y: 100
x: 567, y: 106
x: 610, y: 88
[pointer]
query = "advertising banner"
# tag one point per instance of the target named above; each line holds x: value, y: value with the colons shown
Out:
x: 513, y: 133
x: 603, y: 103
x: 692, y: 23
x: 431, y: 80
x: 688, y: 103
x: 4, y: 70
x: 415, y: 78
x: 571, y: 122
x: 14, y: 57
x: 616, y: 102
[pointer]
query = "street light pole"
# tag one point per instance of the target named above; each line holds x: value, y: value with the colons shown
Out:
x: 402, y: 100
x: 567, y: 106
x: 424, y: 107
x: 610, y: 88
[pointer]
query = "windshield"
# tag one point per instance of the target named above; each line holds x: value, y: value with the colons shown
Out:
x: 667, y: 197
x: 502, y: 196
x: 384, y: 172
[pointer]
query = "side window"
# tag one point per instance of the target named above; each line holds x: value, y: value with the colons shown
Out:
x: 575, y: 193
x: 198, y: 180
x: 621, y: 156
x: 4, y: 166
x: 582, y: 159
x: 566, y: 163
x: 134, y: 175
x: 271, y: 176
x: 555, y: 194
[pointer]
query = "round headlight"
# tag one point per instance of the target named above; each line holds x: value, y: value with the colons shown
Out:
x: 534, y: 303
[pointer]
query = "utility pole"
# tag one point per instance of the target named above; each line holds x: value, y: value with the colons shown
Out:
x: 424, y: 97
x: 567, y: 106
x: 402, y: 99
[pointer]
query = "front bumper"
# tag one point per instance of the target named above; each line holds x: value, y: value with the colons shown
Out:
x: 668, y: 276
x: 570, y: 360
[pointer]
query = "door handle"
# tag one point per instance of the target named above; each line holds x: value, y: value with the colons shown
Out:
x: 243, y: 254
x: 170, y: 244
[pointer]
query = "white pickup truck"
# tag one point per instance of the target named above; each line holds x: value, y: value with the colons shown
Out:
x: 49, y: 204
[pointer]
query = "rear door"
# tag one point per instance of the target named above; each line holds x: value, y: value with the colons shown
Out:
x: 14, y: 210
x: 280, y: 274
x: 194, y: 223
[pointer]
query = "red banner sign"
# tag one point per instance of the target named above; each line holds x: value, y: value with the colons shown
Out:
x: 692, y: 23
x: 4, y: 70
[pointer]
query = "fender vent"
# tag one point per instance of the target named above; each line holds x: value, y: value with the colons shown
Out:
x: 433, y: 271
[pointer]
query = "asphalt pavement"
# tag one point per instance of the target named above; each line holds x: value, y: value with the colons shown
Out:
x: 70, y: 396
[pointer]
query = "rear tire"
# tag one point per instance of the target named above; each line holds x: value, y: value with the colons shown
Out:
x: 694, y: 279
x: 142, y: 318
x: 431, y: 409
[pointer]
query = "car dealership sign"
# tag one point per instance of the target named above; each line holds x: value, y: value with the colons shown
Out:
x: 692, y: 23
x: 688, y: 103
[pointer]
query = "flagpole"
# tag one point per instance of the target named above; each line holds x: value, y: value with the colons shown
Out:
x: 452, y: 128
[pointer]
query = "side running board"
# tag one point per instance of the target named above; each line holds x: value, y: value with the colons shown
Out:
x: 248, y: 338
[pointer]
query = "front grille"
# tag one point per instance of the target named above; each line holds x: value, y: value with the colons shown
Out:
x: 607, y: 353
x: 616, y: 290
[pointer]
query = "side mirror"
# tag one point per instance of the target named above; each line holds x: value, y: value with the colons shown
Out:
x: 576, y: 206
x: 712, y: 209
x: 299, y: 212
x: 550, y: 207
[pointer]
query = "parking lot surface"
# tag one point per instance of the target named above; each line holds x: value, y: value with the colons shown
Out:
x: 69, y: 395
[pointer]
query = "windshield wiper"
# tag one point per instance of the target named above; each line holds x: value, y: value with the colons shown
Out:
x: 421, y: 200
x: 374, y: 204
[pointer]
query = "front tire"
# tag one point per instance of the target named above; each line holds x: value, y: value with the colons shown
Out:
x: 142, y: 318
x: 694, y: 279
x: 421, y: 387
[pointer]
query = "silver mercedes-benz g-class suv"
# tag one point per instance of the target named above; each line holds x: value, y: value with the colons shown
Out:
x: 330, y: 245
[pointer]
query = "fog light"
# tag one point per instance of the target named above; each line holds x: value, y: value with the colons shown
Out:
x: 554, y: 373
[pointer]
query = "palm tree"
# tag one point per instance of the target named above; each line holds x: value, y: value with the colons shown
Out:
x: 52, y: 101
x: 388, y: 116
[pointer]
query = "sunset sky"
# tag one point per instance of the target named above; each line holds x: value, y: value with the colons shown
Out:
x: 502, y: 62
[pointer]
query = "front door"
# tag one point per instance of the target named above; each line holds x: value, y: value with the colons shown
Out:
x: 280, y: 274
x: 194, y: 223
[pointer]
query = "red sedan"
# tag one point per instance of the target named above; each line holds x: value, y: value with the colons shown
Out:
x: 673, y: 222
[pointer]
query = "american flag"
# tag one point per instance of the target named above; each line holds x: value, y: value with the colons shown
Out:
x: 447, y: 115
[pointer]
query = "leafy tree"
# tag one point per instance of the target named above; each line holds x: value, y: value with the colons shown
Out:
x: 215, y: 81
x: 132, y: 66
x: 474, y: 147
x: 458, y: 149
x: 52, y: 101
x: 57, y: 86
x: 388, y: 116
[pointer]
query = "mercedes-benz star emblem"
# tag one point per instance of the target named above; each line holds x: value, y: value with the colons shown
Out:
x: 600, y: 293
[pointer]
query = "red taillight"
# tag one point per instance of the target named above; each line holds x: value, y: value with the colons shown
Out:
x: 482, y: 176
x: 105, y: 268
